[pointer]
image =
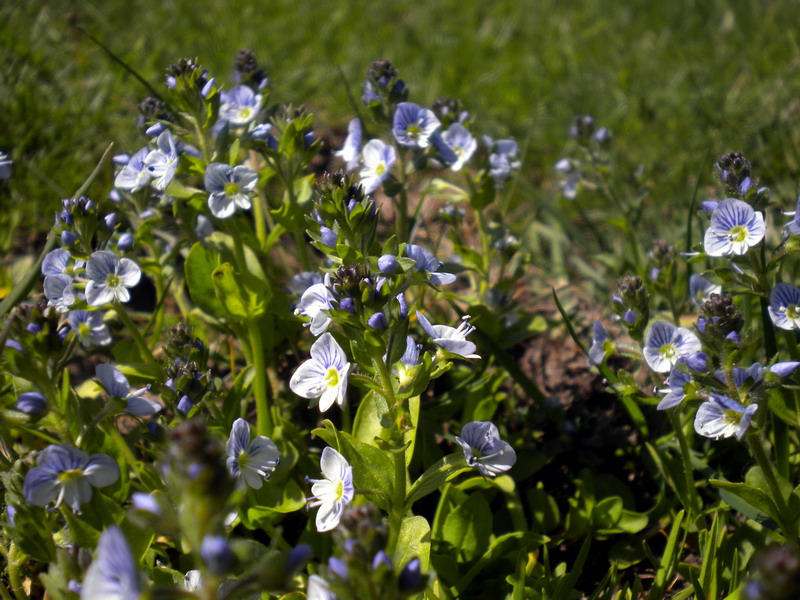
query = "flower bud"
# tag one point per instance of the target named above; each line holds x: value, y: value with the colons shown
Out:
x: 411, y: 577
x: 32, y: 404
x: 378, y: 321
x: 388, y: 264
x: 216, y: 554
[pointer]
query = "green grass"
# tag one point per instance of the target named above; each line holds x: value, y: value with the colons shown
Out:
x: 673, y: 80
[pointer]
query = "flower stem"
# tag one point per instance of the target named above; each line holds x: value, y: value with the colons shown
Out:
x: 144, y: 350
x: 787, y: 521
x: 695, y: 507
x: 264, y: 424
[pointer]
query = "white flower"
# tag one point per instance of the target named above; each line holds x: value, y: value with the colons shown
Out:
x: 318, y: 589
x: 58, y: 291
x: 352, y: 144
x: 162, y: 163
x: 734, y: 228
x: 250, y: 461
x: 240, y: 105
x: 334, y: 492
x: 324, y: 375
x: 113, y: 574
x: 722, y: 417
x: 109, y: 278
x: 664, y: 344
x: 378, y: 159
x: 451, y: 339
x: 316, y: 299
x: 134, y: 175
x: 229, y: 187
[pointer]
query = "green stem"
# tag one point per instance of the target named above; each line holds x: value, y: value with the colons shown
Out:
x: 144, y: 350
x: 13, y: 568
x: 264, y: 424
x: 485, y: 250
x: 695, y: 507
x: 788, y: 521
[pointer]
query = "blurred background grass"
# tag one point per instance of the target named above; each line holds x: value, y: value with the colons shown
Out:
x: 676, y: 81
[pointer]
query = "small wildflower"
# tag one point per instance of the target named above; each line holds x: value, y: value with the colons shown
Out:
x: 352, y: 144
x: 109, y: 278
x: 451, y: 339
x: 134, y: 176
x: 425, y: 261
x: 378, y: 159
x: 784, y: 306
x: 65, y: 473
x: 314, y: 301
x: 700, y: 289
x: 597, y: 351
x: 113, y: 574
x: 116, y: 385
x: 58, y: 291
x: 334, y: 492
x: 484, y: 450
x: 414, y: 125
x: 665, y: 343
x: 240, y: 105
x: 677, y: 382
x: 229, y: 187
x: 324, y: 375
x: 318, y: 589
x: 722, y: 417
x: 461, y: 144
x: 250, y: 461
x: 90, y: 327
x: 162, y: 163
x: 735, y: 227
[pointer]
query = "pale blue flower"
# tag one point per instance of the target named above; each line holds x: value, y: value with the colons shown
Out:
x: 324, y: 375
x: 66, y: 474
x: 313, y: 304
x: 57, y: 262
x: 162, y: 163
x: 240, y: 105
x: 700, y: 289
x: 755, y: 373
x: 229, y: 187
x: 90, y: 327
x: 503, y: 160
x: 58, y: 291
x: 109, y: 278
x: 333, y: 493
x: 378, y: 159
x: 664, y: 344
x: 116, y: 384
x: 250, y: 462
x: 735, y: 227
x: 134, y: 176
x: 31, y: 403
x: 352, y: 144
x: 451, y: 339
x: 597, y: 351
x: 216, y: 553
x: 484, y: 450
x: 784, y: 306
x: 113, y: 574
x: 793, y: 226
x: 300, y: 282
x: 722, y: 417
x: 461, y: 143
x: 318, y: 588
x: 571, y: 180
x: 414, y: 125
x: 677, y: 382
x: 425, y: 261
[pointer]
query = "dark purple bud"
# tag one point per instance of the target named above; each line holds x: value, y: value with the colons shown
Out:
x: 65, y: 217
x: 146, y: 503
x: 350, y: 546
x: 745, y: 186
x: 309, y: 138
x: 33, y: 328
x: 62, y: 333
x: 629, y: 317
x: 697, y: 362
x: 110, y: 220
x: 185, y: 405
x: 154, y: 429
x: 298, y: 557
x: 68, y: 239
x: 381, y: 558
x: 388, y: 264
x: 171, y: 82
x: 784, y: 369
x: 88, y: 206
x: 11, y: 512
x: 114, y: 196
x: 156, y: 129
x: 401, y: 300
x: 14, y: 344
x: 347, y: 304
x: 733, y: 336
x: 410, y: 577
x: 74, y: 587
x: 701, y: 325
x: 602, y: 135
x: 32, y: 404
x: 329, y: 237
x: 708, y: 206
x: 206, y: 91
x: 338, y: 568
x: 125, y: 241
x: 616, y: 299
x: 351, y: 205
x: 378, y: 321
x: 217, y: 554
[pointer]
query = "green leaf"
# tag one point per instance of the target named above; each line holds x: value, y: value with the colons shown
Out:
x: 750, y: 495
x: 242, y: 295
x: 469, y: 527
x: 436, y: 476
x: 414, y: 541
x: 199, y: 265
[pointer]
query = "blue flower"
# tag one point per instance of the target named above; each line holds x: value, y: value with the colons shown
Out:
x: 352, y: 144
x: 216, y: 553
x: 57, y: 262
x: 229, y: 187
x: 484, y: 450
x: 324, y: 375
x: 58, y: 291
x: 314, y: 301
x: 317, y: 587
x: 334, y: 492
x: 115, y: 384
x: 450, y: 339
x: 425, y: 261
x: 784, y: 306
x: 414, y: 125
x: 700, y: 289
x: 677, y: 382
x: 503, y: 160
x: 378, y: 159
x: 134, y: 176
x: 113, y: 574
x: 162, y: 163
x: 109, y: 278
x: 664, y: 344
x: 456, y: 145
x: 250, y: 461
x: 793, y: 226
x: 31, y: 403
x: 722, y: 417
x: 571, y: 178
x: 240, y: 105
x: 734, y: 228
x: 90, y: 327
x: 64, y: 473
x: 5, y: 165
x: 755, y: 373
x: 300, y: 282
x: 597, y: 351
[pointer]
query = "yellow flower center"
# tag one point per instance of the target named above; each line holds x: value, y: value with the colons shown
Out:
x: 332, y: 377
x: 112, y: 281
x: 668, y: 351
x: 339, y: 490
x: 71, y: 475
x: 380, y: 169
x: 84, y: 330
x: 231, y: 189
x: 737, y: 234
